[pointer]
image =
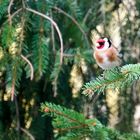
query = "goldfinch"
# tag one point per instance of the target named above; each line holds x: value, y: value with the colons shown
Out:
x: 106, y: 54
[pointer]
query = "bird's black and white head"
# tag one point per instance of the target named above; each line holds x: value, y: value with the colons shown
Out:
x: 103, y: 44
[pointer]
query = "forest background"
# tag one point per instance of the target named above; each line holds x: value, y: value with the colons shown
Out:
x: 47, y: 67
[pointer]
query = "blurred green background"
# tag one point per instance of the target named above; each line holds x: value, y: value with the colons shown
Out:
x: 24, y: 35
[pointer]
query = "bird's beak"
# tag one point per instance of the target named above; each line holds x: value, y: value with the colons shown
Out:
x: 100, y: 41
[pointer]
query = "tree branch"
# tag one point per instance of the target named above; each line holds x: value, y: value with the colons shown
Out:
x: 74, y: 21
x: 62, y: 114
x: 56, y: 27
x: 13, y: 90
x: 117, y: 77
x: 70, y: 17
x: 87, y: 15
x: 52, y: 35
x: 31, y: 66
x: 27, y: 133
x: 9, y: 11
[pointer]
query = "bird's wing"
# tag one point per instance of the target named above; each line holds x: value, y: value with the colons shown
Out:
x: 117, y: 51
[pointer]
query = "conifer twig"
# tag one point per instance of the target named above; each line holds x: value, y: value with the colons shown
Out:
x: 13, y: 90
x: 56, y: 27
x: 13, y: 15
x: 74, y: 21
x: 74, y: 121
x: 68, y: 55
x: 87, y: 15
x: 71, y: 128
x: 31, y: 66
x: 16, y: 12
x: 77, y: 127
x: 52, y: 34
x: 23, y: 4
x: 27, y: 133
x: 9, y: 11
x: 117, y: 77
x: 54, y: 83
x: 72, y: 18
x: 49, y: 109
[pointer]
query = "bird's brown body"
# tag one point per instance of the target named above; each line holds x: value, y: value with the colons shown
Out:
x: 107, y: 58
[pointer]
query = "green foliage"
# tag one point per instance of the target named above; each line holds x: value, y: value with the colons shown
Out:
x: 3, y: 7
x: 7, y: 36
x: 71, y: 125
x: 114, y: 78
x: 57, y: 67
x: 13, y: 76
x: 40, y: 54
x: 69, y: 122
x: 30, y: 50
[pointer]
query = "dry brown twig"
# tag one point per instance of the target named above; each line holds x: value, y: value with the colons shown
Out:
x: 52, y: 34
x: 13, y: 90
x: 74, y: 21
x: 55, y: 26
x: 13, y: 15
x: 87, y: 15
x: 31, y: 66
x: 72, y: 18
x: 60, y: 38
x: 52, y: 22
x: 9, y: 11
x: 27, y: 133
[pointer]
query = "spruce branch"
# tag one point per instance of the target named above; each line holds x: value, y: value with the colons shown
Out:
x: 13, y: 90
x: 56, y: 110
x: 13, y: 80
x: 31, y: 66
x: 54, y: 83
x: 55, y: 74
x: 73, y: 119
x: 23, y: 4
x: 16, y: 12
x: 27, y: 133
x: 9, y: 11
x: 14, y: 76
x: 71, y: 128
x: 56, y: 27
x: 114, y: 78
x: 52, y: 34
x: 73, y: 125
x: 13, y: 15
x: 40, y: 53
x: 68, y: 55
x: 87, y: 15
x: 73, y: 20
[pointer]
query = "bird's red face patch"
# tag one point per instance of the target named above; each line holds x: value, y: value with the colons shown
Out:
x: 101, y: 43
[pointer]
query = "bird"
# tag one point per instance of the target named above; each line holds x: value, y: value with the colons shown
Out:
x: 107, y: 56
